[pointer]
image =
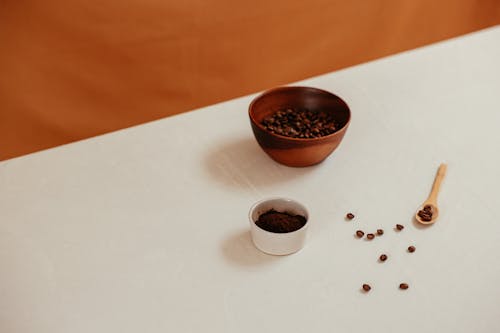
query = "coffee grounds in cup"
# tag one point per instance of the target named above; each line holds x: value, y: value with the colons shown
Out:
x: 300, y: 123
x: 278, y: 222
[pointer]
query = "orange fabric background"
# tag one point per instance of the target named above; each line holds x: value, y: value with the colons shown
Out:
x: 71, y: 69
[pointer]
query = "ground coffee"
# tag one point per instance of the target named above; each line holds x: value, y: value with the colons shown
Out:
x: 277, y: 222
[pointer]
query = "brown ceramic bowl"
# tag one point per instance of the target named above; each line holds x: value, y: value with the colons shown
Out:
x: 298, y: 152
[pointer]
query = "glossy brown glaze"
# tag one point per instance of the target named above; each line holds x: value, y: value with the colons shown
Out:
x: 298, y: 152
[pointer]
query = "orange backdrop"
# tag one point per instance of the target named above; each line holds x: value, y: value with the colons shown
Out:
x: 71, y: 69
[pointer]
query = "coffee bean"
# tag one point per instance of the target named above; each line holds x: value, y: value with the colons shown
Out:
x: 366, y: 287
x: 403, y: 286
x: 360, y: 233
x: 349, y: 216
x: 426, y: 213
x: 301, y: 123
x: 399, y: 227
x: 383, y: 257
x: 370, y: 236
x: 380, y: 232
x: 426, y: 218
x: 411, y: 249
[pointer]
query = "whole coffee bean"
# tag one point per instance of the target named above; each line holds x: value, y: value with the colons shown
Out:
x: 366, y: 287
x: 380, y: 232
x: 370, y: 236
x: 301, y: 123
x: 424, y: 214
x: 399, y: 227
x: 403, y: 286
x: 360, y: 233
x: 383, y: 257
x: 349, y: 216
x: 411, y: 249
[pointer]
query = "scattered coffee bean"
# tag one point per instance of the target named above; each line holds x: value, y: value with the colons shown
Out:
x: 411, y: 249
x: 366, y: 287
x: 403, y: 286
x: 277, y: 222
x: 349, y: 216
x: 301, y: 123
x: 380, y: 232
x: 383, y: 257
x: 360, y: 233
x: 399, y: 227
x: 426, y: 213
x: 370, y: 236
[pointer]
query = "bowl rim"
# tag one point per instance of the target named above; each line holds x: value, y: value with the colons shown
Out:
x: 272, y: 90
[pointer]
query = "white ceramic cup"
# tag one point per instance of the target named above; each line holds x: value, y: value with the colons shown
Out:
x: 278, y: 243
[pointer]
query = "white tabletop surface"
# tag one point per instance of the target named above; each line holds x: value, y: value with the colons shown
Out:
x: 146, y: 230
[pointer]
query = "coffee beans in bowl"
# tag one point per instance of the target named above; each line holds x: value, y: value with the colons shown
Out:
x: 300, y: 123
x: 299, y: 126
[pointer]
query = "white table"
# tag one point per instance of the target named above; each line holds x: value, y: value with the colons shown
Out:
x: 146, y: 230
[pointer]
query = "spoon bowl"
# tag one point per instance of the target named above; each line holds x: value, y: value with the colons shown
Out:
x: 425, y: 215
x: 434, y: 210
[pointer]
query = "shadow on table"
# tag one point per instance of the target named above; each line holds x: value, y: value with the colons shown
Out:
x: 238, y: 249
x: 244, y: 164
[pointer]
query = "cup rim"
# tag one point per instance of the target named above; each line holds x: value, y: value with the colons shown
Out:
x: 270, y: 91
x: 254, y: 206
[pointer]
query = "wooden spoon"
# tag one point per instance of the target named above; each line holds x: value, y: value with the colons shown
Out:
x: 432, y: 199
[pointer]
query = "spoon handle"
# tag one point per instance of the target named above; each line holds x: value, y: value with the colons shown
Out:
x: 437, y: 183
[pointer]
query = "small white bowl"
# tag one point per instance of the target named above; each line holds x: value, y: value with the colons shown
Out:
x: 278, y: 243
